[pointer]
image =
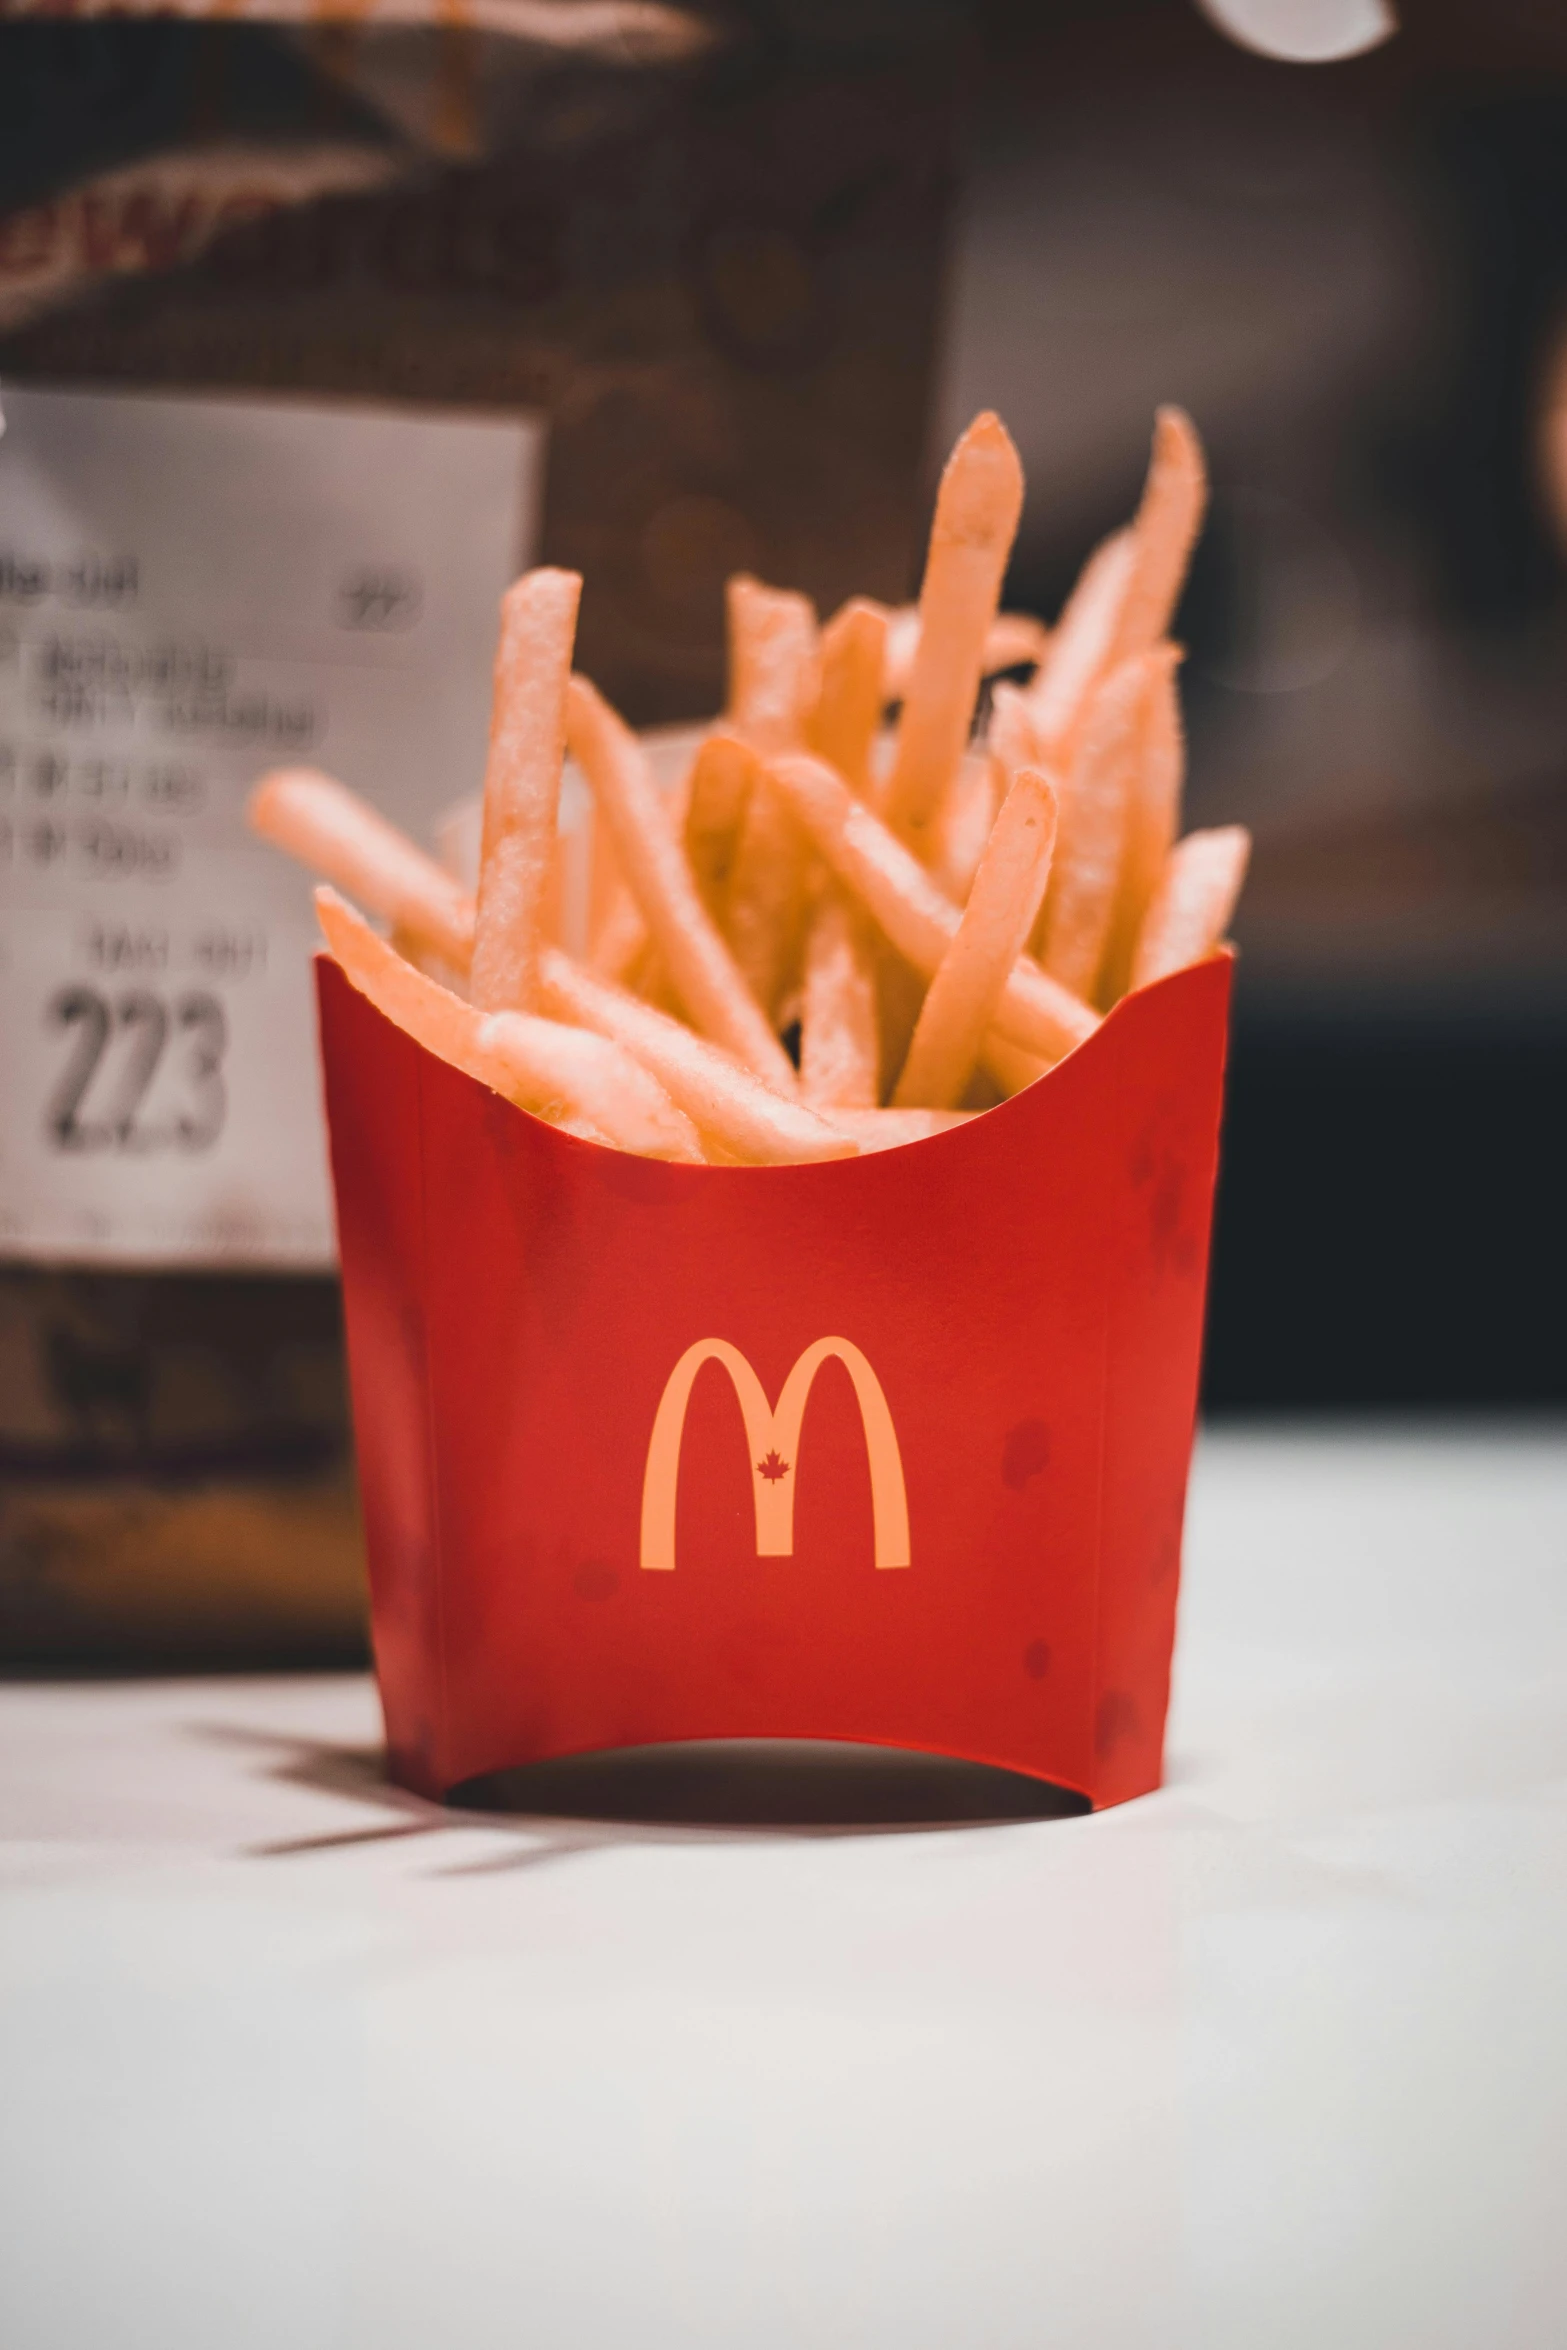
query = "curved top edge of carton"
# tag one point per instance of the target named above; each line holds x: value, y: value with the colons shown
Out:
x: 1199, y: 993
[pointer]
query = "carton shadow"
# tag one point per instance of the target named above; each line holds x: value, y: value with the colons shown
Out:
x: 767, y: 1784
x: 725, y: 1789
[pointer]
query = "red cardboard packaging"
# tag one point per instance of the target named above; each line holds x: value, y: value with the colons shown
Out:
x: 889, y: 1449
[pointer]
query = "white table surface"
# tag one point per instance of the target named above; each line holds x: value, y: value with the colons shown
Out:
x: 1276, y: 2057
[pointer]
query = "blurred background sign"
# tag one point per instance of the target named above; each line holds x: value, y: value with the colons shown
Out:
x: 191, y: 590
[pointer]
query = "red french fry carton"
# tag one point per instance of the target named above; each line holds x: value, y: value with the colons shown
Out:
x: 891, y: 1449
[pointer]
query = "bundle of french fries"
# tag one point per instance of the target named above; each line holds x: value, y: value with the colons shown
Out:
x: 857, y: 920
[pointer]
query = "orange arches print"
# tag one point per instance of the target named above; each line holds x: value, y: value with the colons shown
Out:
x: 774, y: 1441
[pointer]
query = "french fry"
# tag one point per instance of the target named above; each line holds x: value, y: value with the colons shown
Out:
x: 722, y: 776
x: 1191, y: 907
x: 607, y: 889
x: 774, y: 663
x: 958, y: 837
x: 618, y: 941
x: 1012, y: 1068
x: 559, y: 1072
x: 557, y: 888
x: 840, y: 1050
x: 1164, y: 533
x: 889, y: 1130
x: 1014, y: 640
x: 329, y: 828
x: 413, y: 949
x: 1075, y: 927
x: 977, y: 510
x: 1012, y: 739
x: 1032, y: 1009
x: 731, y: 1110
x: 1082, y: 645
x: 1152, y: 822
x: 774, y: 668
x: 960, y: 1004
x: 604, y: 1088
x: 769, y: 890
x: 843, y: 726
x: 522, y: 784
x: 694, y: 955
x: 900, y: 991
x: 621, y: 939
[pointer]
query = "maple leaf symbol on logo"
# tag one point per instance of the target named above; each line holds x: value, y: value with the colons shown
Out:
x: 772, y: 1468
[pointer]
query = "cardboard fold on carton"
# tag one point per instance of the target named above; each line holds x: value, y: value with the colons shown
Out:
x: 890, y: 1449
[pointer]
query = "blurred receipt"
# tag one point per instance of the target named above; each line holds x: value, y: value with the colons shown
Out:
x: 192, y: 591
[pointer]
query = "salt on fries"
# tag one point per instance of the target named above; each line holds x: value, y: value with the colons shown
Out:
x: 928, y: 921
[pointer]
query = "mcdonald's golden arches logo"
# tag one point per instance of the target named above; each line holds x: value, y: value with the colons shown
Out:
x: 774, y: 1441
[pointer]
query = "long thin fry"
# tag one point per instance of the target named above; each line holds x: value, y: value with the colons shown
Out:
x: 1164, y: 533
x: 621, y: 939
x: 1191, y: 908
x: 732, y: 1110
x: 889, y: 1130
x: 774, y: 681
x: 843, y: 726
x: 722, y: 775
x: 618, y: 943
x: 606, y: 883
x: 1012, y: 739
x: 962, y: 826
x: 522, y: 783
x: 769, y: 890
x: 1083, y: 643
x: 693, y: 953
x: 900, y: 991
x: 1152, y: 822
x: 1076, y: 924
x: 773, y: 662
x: 1032, y: 1009
x: 977, y: 510
x: 557, y: 1071
x: 961, y: 1001
x: 329, y: 828
x: 840, y: 1051
x: 1014, y: 640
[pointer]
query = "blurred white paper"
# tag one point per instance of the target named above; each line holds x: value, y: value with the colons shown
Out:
x: 192, y: 591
